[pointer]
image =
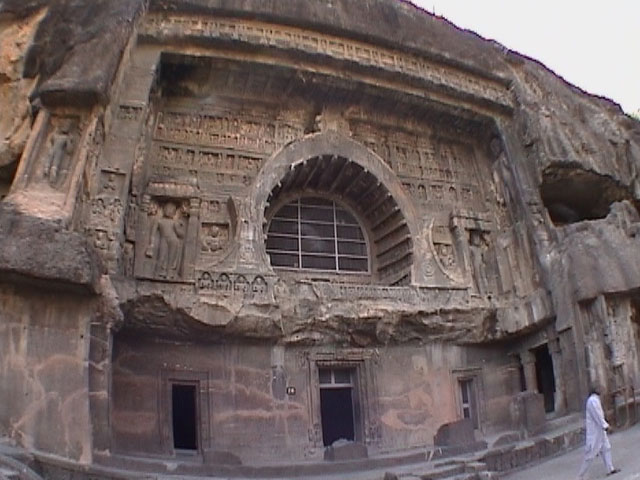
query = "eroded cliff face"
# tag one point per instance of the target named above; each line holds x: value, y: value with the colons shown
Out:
x: 580, y: 156
x: 16, y: 35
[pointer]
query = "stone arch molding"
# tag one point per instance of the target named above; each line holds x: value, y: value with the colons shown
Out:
x: 387, y: 204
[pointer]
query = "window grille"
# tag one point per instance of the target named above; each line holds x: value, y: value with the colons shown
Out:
x: 317, y: 234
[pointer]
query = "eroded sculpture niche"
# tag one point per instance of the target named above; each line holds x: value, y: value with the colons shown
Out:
x: 478, y: 250
x: 164, y: 232
x: 217, y: 230
x: 445, y: 251
x: 55, y: 155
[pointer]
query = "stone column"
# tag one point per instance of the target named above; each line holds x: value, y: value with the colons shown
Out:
x: 461, y: 241
x: 560, y: 397
x: 192, y: 246
x: 100, y: 346
x: 528, y: 360
x: 143, y: 226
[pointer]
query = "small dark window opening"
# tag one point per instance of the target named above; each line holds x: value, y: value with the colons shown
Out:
x: 468, y: 401
x: 544, y: 375
x: 184, y: 417
x: 337, y: 399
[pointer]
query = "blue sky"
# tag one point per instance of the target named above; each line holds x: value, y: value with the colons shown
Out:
x: 592, y: 44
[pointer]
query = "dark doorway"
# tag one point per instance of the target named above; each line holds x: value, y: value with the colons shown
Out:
x: 337, y: 404
x: 184, y: 416
x: 544, y: 376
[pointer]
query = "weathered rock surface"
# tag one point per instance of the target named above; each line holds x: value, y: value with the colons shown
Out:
x: 42, y: 253
x: 77, y: 47
x: 15, y: 38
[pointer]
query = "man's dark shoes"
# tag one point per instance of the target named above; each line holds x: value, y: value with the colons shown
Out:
x: 615, y: 470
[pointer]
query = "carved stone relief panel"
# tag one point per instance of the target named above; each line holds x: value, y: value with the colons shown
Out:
x: 106, y: 243
x: 216, y: 232
x: 230, y: 130
x: 54, y: 156
x: 224, y: 150
x: 104, y: 224
x: 130, y: 113
x: 128, y: 258
x: 445, y: 250
x: 111, y: 182
x: 436, y: 172
x: 106, y: 211
x: 479, y: 250
x: 214, y: 238
x: 475, y: 239
x: 164, y: 230
x: 234, y: 285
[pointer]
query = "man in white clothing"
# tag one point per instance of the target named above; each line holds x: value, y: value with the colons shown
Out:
x: 597, y: 439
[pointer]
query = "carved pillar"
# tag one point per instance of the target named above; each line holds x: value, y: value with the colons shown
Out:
x: 191, y: 241
x: 560, y: 397
x: 142, y: 229
x: 459, y: 237
x: 100, y: 346
x: 528, y: 360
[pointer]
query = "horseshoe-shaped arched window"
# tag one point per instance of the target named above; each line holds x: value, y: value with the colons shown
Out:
x: 318, y: 234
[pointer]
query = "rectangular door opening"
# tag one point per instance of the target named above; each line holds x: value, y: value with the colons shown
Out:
x: 545, y: 377
x: 337, y: 400
x: 184, y: 415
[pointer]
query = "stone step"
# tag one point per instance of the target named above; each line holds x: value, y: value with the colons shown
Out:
x: 8, y: 448
x: 14, y: 469
x: 427, y: 472
x: 9, y: 474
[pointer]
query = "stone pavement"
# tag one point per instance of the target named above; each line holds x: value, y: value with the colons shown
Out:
x: 626, y: 456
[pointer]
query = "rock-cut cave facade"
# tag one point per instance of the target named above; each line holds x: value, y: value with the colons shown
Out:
x: 247, y: 230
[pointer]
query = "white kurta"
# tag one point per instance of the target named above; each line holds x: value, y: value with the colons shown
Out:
x: 596, y: 425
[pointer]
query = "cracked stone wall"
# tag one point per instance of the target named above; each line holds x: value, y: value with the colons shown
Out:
x: 404, y: 394
x: 44, y: 343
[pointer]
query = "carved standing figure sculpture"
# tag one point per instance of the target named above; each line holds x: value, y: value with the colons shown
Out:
x: 60, y: 146
x: 166, y: 240
x: 478, y: 245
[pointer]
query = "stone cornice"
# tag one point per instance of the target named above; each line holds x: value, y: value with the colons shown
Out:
x: 452, y: 79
